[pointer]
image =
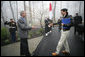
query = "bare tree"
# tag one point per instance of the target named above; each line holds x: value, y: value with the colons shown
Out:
x: 33, y: 12
x: 2, y: 18
x: 25, y: 8
x: 54, y: 11
x: 79, y: 7
x: 30, y: 13
x: 41, y: 13
x: 2, y: 13
x: 40, y: 20
x: 17, y: 9
x: 12, y: 10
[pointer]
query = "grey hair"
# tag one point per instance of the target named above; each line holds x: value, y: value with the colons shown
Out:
x: 21, y: 12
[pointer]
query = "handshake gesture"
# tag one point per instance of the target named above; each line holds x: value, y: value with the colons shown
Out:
x: 33, y: 27
x: 62, y: 24
x: 51, y: 24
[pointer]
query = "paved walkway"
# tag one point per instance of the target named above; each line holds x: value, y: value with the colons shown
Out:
x: 48, y: 44
x: 14, y: 49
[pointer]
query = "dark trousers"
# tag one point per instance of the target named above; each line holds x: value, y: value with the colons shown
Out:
x: 59, y: 28
x: 50, y: 28
x: 13, y: 36
x: 24, y: 50
x: 75, y: 28
x: 46, y: 28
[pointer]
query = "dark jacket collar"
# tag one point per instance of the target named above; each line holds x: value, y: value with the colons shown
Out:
x: 66, y: 16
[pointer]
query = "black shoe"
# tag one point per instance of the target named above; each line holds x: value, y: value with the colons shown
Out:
x: 66, y: 53
x: 28, y: 54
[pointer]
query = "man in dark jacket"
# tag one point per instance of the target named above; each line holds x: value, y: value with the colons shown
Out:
x: 12, y: 29
x: 66, y: 25
x: 77, y: 20
x: 47, y: 27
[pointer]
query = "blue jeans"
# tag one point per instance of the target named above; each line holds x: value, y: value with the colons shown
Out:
x: 13, y: 36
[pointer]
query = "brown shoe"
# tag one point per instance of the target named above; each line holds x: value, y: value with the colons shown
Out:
x: 65, y: 52
x: 55, y: 54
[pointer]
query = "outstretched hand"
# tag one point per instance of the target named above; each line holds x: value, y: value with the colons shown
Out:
x: 62, y: 24
x: 51, y: 24
x: 33, y: 27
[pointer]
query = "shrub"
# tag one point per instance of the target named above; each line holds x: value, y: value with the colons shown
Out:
x: 4, y: 33
x: 30, y: 34
x: 7, y: 41
x: 5, y: 36
x: 17, y: 36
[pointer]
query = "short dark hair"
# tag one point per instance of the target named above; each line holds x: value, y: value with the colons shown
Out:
x: 11, y: 19
x: 64, y: 9
x: 76, y: 13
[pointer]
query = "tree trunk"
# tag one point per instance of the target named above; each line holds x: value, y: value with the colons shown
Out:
x: 24, y: 6
x: 2, y: 13
x: 33, y: 13
x: 12, y: 10
x: 30, y: 13
x: 25, y: 9
x: 17, y: 9
x: 41, y: 16
x: 54, y: 11
x: 2, y: 17
x: 80, y: 7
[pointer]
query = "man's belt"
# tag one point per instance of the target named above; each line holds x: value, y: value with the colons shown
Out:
x: 11, y: 27
x: 66, y: 29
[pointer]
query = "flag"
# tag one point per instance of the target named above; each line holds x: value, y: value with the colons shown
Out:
x: 50, y: 11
